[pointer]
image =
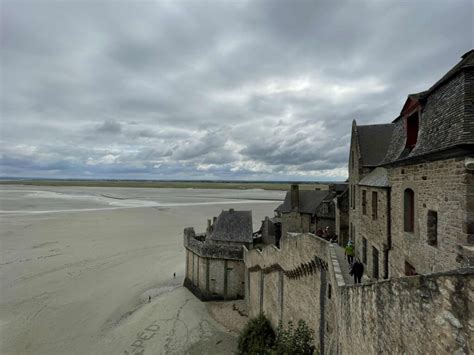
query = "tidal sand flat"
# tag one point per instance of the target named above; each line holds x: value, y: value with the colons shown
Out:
x: 78, y: 265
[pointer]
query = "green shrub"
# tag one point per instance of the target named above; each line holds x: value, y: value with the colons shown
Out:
x: 257, y: 337
x: 297, y: 341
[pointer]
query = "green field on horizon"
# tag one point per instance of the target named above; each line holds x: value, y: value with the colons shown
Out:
x: 239, y: 185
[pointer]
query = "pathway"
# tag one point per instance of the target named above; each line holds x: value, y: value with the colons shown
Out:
x: 344, y: 265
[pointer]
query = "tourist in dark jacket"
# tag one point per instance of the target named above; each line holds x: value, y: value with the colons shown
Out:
x: 357, y: 271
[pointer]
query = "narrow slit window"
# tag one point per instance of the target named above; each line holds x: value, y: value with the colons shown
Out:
x: 374, y: 205
x: 409, y: 210
x: 364, y: 202
x: 432, y: 228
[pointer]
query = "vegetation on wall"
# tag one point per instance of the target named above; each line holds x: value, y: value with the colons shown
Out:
x: 258, y: 337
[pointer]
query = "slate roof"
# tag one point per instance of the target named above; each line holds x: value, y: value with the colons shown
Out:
x: 377, y: 178
x: 374, y: 141
x: 443, y: 126
x: 467, y: 60
x: 341, y: 187
x: 233, y: 226
x: 309, y: 201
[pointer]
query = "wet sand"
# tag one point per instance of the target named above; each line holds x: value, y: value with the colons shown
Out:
x: 77, y: 266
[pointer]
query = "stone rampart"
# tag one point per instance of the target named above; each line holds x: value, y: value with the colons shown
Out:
x: 413, y: 315
x: 210, y: 250
x: 425, y: 314
x: 291, y: 283
x: 213, y: 271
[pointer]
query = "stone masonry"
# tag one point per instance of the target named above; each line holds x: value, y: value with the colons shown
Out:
x: 413, y: 315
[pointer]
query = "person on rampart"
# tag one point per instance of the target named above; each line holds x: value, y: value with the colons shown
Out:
x: 319, y: 232
x: 357, y: 271
x: 349, y: 250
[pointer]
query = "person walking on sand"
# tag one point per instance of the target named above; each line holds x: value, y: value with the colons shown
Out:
x: 149, y: 299
x: 174, y: 275
x: 357, y: 271
x: 349, y: 251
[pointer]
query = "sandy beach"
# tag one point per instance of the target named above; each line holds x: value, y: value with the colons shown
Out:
x: 78, y: 265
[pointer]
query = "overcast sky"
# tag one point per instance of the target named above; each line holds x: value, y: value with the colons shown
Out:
x: 247, y: 90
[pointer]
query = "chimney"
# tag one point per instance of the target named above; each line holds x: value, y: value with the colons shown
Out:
x: 295, y: 197
x: 214, y: 220
x: 231, y: 210
x: 208, y: 224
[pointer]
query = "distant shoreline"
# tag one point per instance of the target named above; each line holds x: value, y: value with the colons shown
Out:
x: 233, y: 185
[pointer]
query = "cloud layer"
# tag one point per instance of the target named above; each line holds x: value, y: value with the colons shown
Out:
x: 257, y: 90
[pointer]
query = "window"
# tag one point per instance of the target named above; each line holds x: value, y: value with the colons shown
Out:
x: 350, y: 195
x: 329, y: 291
x: 432, y: 228
x: 410, y: 269
x: 364, y: 202
x: 409, y: 210
x: 353, y: 196
x: 412, y: 130
x: 326, y: 208
x: 375, y: 263
x: 364, y: 250
x: 352, y: 160
x: 352, y: 236
x: 374, y: 205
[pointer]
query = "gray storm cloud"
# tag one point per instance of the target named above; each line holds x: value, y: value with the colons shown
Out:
x: 260, y: 90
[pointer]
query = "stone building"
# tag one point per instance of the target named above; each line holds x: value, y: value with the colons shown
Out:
x: 411, y: 214
x: 305, y: 211
x: 214, y: 260
x: 411, y: 182
x: 341, y: 220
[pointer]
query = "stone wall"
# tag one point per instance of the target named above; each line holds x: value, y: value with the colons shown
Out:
x: 429, y: 314
x: 374, y: 231
x: 441, y: 186
x: 268, y: 231
x: 356, y: 173
x: 286, y: 283
x: 413, y: 315
x: 342, y: 218
x: 295, y: 222
x: 213, y: 271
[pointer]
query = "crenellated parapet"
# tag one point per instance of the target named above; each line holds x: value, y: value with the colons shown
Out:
x: 198, y: 245
x: 298, y: 251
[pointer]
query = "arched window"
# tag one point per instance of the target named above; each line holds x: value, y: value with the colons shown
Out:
x: 409, y: 210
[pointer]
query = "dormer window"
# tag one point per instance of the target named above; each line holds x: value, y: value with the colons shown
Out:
x: 412, y: 125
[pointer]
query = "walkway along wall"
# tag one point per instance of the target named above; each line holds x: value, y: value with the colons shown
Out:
x: 417, y: 315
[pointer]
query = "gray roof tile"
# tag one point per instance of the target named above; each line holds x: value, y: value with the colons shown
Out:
x: 374, y: 141
x: 233, y: 226
x: 377, y: 178
x: 309, y: 201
